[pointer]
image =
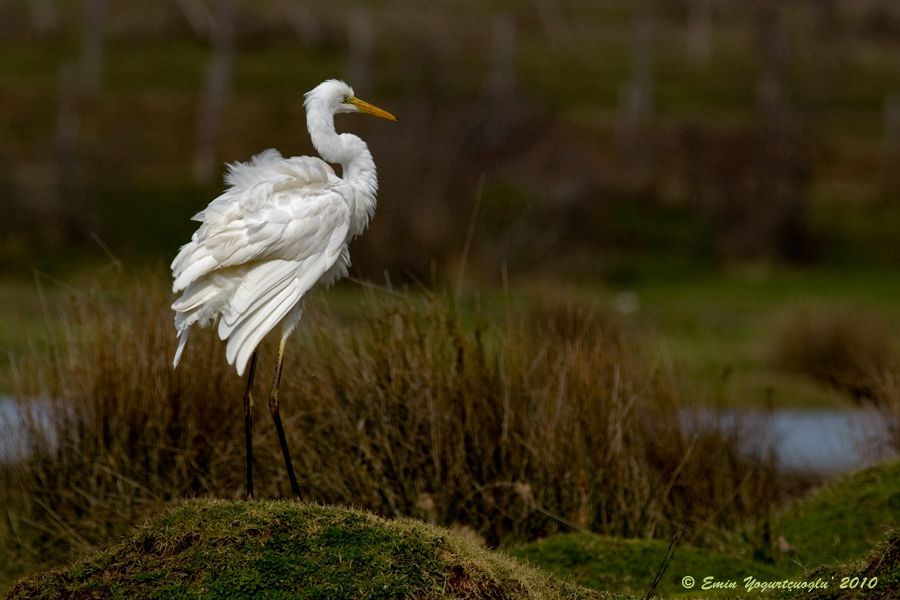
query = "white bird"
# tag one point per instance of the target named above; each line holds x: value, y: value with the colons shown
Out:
x: 280, y: 228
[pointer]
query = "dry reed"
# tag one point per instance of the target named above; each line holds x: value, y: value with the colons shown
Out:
x: 846, y: 349
x: 887, y: 401
x: 512, y: 430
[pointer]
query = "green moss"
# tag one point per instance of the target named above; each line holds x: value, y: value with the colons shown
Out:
x: 838, y: 531
x: 844, y: 519
x: 875, y: 576
x: 278, y: 549
x: 614, y: 563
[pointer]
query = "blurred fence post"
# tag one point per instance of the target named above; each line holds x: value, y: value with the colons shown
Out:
x: 636, y: 103
x: 198, y: 16
x: 553, y: 20
x: 699, y: 31
x: 219, y: 76
x: 92, y: 44
x: 826, y: 30
x: 770, y: 94
x: 501, y: 83
x: 302, y: 20
x: 503, y: 58
x: 43, y: 16
x: 360, y: 38
x: 40, y: 186
x: 891, y: 152
x: 784, y: 171
x: 68, y: 118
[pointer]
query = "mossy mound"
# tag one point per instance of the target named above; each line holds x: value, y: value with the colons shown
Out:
x: 875, y: 576
x: 283, y: 549
x: 841, y: 521
x: 603, y: 562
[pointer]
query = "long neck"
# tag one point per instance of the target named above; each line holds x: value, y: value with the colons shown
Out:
x: 357, y: 165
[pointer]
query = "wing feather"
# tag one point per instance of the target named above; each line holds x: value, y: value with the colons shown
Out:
x: 263, y: 215
x: 260, y: 248
x: 271, y: 304
x: 259, y: 285
x: 252, y: 329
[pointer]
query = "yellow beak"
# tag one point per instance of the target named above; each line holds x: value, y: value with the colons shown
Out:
x: 365, y: 107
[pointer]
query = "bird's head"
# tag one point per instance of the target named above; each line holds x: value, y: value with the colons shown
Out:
x: 337, y: 97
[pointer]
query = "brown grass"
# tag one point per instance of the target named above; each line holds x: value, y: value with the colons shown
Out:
x: 887, y: 399
x: 846, y: 349
x: 511, y: 431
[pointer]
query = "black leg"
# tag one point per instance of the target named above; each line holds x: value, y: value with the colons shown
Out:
x: 248, y: 425
x: 276, y: 416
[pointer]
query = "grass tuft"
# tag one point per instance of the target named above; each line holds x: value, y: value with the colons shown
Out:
x: 875, y: 575
x: 842, y: 520
x: 840, y: 529
x: 845, y: 349
x: 601, y: 562
x: 887, y: 398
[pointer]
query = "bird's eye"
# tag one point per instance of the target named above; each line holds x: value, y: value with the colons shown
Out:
x: 346, y: 100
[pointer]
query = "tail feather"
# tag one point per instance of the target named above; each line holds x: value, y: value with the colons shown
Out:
x: 253, y: 328
x: 200, y: 304
x: 182, y: 340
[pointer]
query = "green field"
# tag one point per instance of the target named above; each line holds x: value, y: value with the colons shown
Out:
x: 718, y: 331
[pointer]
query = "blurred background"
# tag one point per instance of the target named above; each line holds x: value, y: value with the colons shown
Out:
x: 720, y: 175
x: 674, y: 220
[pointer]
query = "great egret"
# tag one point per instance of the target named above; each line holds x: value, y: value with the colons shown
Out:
x: 280, y: 228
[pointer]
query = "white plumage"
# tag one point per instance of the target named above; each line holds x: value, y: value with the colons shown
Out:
x: 280, y: 228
